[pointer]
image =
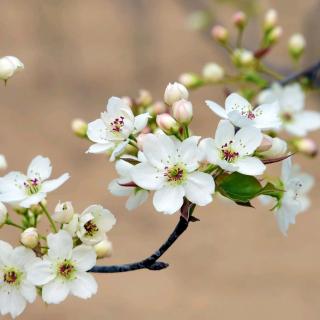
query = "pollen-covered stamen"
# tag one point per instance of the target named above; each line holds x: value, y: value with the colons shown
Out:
x: 117, y: 124
x: 32, y: 185
x: 227, y: 153
x: 286, y: 117
x: 249, y: 114
x: 91, y: 228
x: 66, y: 269
x: 175, y: 174
x: 11, y: 276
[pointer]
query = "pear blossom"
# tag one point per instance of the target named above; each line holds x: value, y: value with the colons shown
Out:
x: 94, y: 222
x: 30, y: 189
x: 213, y: 72
x: 112, y: 131
x: 9, y: 65
x: 30, y: 238
x: 233, y: 151
x: 15, y: 288
x: 290, y: 99
x: 241, y: 113
x: 72, y: 226
x: 121, y: 187
x: 170, y: 170
x: 174, y: 92
x: 64, y: 270
x: 63, y: 212
x: 296, y: 185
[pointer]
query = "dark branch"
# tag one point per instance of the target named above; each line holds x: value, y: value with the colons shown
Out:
x: 151, y: 262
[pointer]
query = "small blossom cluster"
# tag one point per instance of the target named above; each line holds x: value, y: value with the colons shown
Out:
x: 55, y: 265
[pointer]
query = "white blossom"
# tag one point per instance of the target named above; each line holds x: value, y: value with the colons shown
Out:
x: 113, y: 129
x: 290, y: 99
x: 233, y: 151
x: 9, y: 65
x: 63, y: 212
x: 26, y: 190
x: 170, y: 170
x: 15, y: 288
x: 174, y: 92
x: 94, y: 222
x: 241, y: 113
x: 64, y: 270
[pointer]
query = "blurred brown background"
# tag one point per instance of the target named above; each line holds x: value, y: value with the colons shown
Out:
x: 232, y: 264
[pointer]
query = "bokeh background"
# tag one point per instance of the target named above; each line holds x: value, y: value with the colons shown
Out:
x: 232, y: 264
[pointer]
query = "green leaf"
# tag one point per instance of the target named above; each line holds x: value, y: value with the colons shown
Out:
x: 239, y: 187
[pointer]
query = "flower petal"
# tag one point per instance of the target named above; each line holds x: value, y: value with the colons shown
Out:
x: 55, y: 292
x: 267, y: 116
x: 208, y: 151
x: 28, y: 291
x: 238, y: 103
x: 247, y: 140
x: 41, y: 272
x: 224, y: 133
x: 60, y: 245
x: 217, y: 109
x: 251, y: 166
x: 169, y: 199
x: 100, y: 148
x: 84, y: 286
x: 118, y: 149
x: 84, y: 257
x: 189, y: 153
x: 136, y: 199
x: 141, y: 121
x: 51, y: 185
x: 32, y: 200
x: 116, y: 189
x: 40, y: 168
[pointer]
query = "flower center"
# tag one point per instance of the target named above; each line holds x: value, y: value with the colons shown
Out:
x: 32, y: 186
x: 117, y: 124
x: 91, y: 228
x: 286, y: 117
x: 12, y: 276
x: 175, y: 174
x: 66, y: 269
x: 249, y: 114
x: 227, y: 153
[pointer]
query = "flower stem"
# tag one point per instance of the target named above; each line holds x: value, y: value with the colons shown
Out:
x: 11, y: 223
x: 45, y: 211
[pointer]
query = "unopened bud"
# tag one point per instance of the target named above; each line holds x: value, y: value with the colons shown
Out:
x: 243, y: 58
x: 190, y: 80
x: 265, y: 144
x: 278, y: 149
x: 63, y: 212
x: 144, y: 98
x: 103, y: 249
x: 220, y: 34
x: 30, y: 238
x: 296, y: 45
x: 239, y: 19
x: 157, y: 107
x: 174, y: 92
x: 274, y: 35
x: 270, y: 19
x: 182, y: 111
x: 127, y: 100
x: 79, y: 127
x: 213, y: 72
x: 3, y: 162
x: 306, y: 146
x: 3, y: 214
x: 9, y: 65
x: 167, y: 123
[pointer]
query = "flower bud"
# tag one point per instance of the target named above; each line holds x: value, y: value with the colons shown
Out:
x: 144, y: 98
x: 265, y: 144
x: 103, y: 249
x: 243, y: 58
x: 79, y: 127
x: 270, y: 19
x: 278, y: 149
x: 174, y: 92
x: 220, y: 34
x: 239, y: 19
x: 127, y: 100
x: 306, y: 146
x: 190, y: 80
x: 157, y: 107
x: 213, y: 72
x: 9, y: 65
x: 63, y: 212
x: 3, y: 214
x: 296, y: 45
x: 140, y: 140
x: 182, y: 111
x: 3, y: 162
x: 274, y: 35
x: 167, y: 123
x: 30, y: 238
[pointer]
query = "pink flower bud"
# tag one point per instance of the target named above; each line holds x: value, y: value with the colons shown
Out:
x: 306, y: 146
x: 182, y: 111
x: 278, y: 149
x: 265, y: 144
x: 220, y: 34
x: 174, y: 92
x: 167, y: 123
x: 239, y: 19
x: 158, y: 107
x: 144, y: 98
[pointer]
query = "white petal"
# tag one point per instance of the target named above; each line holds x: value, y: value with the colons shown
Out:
x: 136, y: 199
x: 147, y: 177
x: 5, y: 252
x: 169, y: 199
x: 292, y: 97
x: 84, y: 257
x: 116, y: 105
x: 55, y: 292
x: 116, y: 189
x: 225, y: 133
x: 309, y: 120
x: 40, y: 168
x: 141, y: 121
x: 267, y: 116
x: 208, y: 151
x: 12, y: 302
x: 84, y: 286
x: 32, y: 200
x: 51, y: 185
x: 60, y: 245
x: 119, y: 149
x: 123, y: 168
x: 247, y: 140
x: 251, y: 166
x: 286, y: 169
x: 238, y: 103
x: 97, y: 131
x: 199, y: 188
x: 23, y: 257
x: 239, y: 120
x: 100, y: 148
x: 189, y: 153
x: 41, y: 272
x: 217, y: 109
x: 28, y: 291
